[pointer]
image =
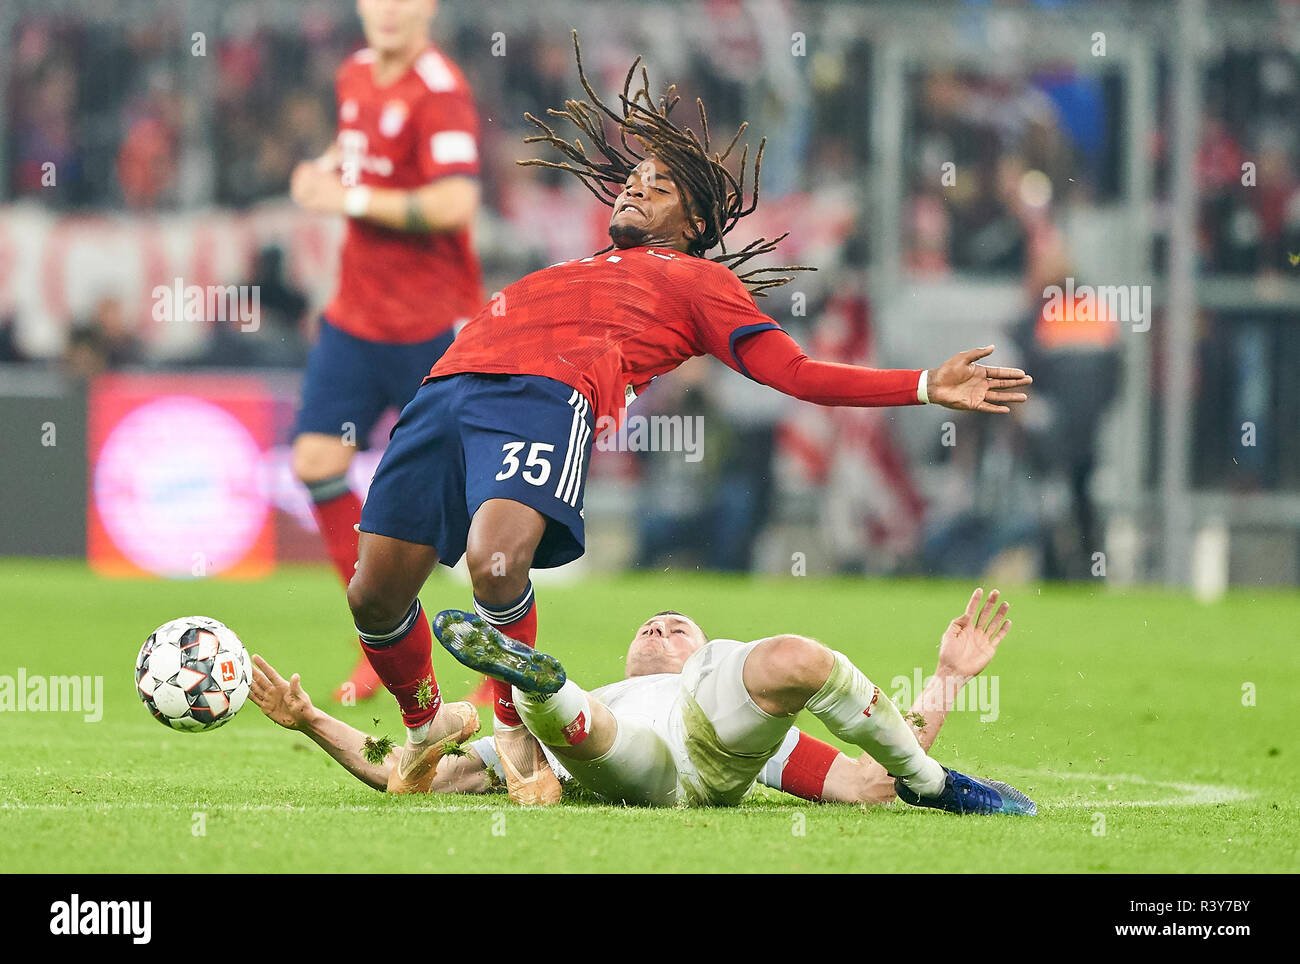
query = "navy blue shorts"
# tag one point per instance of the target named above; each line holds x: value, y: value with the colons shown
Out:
x: 464, y: 439
x: 351, y: 381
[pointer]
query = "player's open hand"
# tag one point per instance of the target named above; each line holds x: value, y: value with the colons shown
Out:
x: 315, y: 188
x: 962, y: 384
x: 973, y: 637
x: 283, y: 700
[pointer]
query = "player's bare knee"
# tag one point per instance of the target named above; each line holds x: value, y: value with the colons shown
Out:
x: 372, y: 609
x: 317, y: 457
x: 500, y: 570
x: 795, y: 660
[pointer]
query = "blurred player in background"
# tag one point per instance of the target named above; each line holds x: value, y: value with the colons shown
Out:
x: 403, y: 170
x: 489, y: 460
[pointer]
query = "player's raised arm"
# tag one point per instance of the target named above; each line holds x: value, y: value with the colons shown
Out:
x: 773, y: 358
x: 730, y: 327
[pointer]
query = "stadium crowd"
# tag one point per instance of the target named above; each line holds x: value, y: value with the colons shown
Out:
x: 134, y: 121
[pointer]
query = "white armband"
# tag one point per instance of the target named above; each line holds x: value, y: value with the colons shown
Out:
x: 356, y: 202
x: 922, y: 388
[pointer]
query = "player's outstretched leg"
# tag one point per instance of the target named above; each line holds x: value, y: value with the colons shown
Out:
x: 784, y: 674
x: 479, y: 645
x: 320, y: 462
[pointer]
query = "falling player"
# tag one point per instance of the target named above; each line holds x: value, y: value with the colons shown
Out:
x: 403, y: 169
x: 489, y: 459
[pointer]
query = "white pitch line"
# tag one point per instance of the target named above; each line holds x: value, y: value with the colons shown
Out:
x: 1193, y: 794
x: 248, y: 807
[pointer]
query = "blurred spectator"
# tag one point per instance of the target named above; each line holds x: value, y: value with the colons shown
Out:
x: 283, y: 312
x: 871, y: 510
x: 277, y: 338
x: 976, y: 132
x: 102, y: 342
x: 146, y: 163
x: 42, y: 113
x: 708, y: 513
x: 1071, y: 346
x: 10, y: 350
x: 84, y: 356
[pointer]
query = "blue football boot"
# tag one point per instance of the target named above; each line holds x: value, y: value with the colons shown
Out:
x: 970, y: 795
x: 481, y: 646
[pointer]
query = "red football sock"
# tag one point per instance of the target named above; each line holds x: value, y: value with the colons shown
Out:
x: 404, y: 661
x: 335, y: 518
x: 523, y: 629
x: 805, y: 771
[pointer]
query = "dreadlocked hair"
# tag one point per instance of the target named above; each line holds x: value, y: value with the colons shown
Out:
x: 710, y: 191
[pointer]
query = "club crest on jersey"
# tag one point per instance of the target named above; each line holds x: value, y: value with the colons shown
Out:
x: 874, y: 697
x: 348, y: 111
x: 576, y: 731
x: 354, y: 146
x: 392, y: 118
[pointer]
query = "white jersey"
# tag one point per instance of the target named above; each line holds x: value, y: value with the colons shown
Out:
x: 649, y: 699
x: 656, y: 702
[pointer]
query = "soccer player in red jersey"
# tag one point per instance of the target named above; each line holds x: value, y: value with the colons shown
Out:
x: 403, y: 169
x: 489, y: 459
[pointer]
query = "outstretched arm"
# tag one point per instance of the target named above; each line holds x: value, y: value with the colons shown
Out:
x: 772, y: 357
x: 286, y: 703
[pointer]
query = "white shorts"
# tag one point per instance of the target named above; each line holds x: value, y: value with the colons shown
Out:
x: 696, y: 738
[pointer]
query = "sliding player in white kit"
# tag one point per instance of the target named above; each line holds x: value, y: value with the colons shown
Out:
x: 702, y: 737
x: 802, y: 766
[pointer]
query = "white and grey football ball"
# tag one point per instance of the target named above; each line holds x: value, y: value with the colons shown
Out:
x: 193, y: 673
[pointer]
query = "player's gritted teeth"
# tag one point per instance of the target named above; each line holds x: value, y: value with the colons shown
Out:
x: 650, y: 210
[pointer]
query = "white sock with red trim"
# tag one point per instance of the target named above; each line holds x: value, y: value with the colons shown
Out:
x: 561, y: 719
x: 854, y: 709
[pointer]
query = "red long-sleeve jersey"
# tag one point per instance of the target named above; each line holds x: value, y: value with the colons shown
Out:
x: 404, y: 286
x: 608, y: 324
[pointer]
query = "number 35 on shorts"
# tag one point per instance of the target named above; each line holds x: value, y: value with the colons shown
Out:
x: 538, y: 463
x: 536, y: 468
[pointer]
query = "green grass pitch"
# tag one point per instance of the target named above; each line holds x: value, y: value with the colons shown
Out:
x: 1120, y: 712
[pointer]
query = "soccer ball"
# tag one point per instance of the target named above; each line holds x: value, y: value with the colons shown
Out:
x: 193, y: 673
